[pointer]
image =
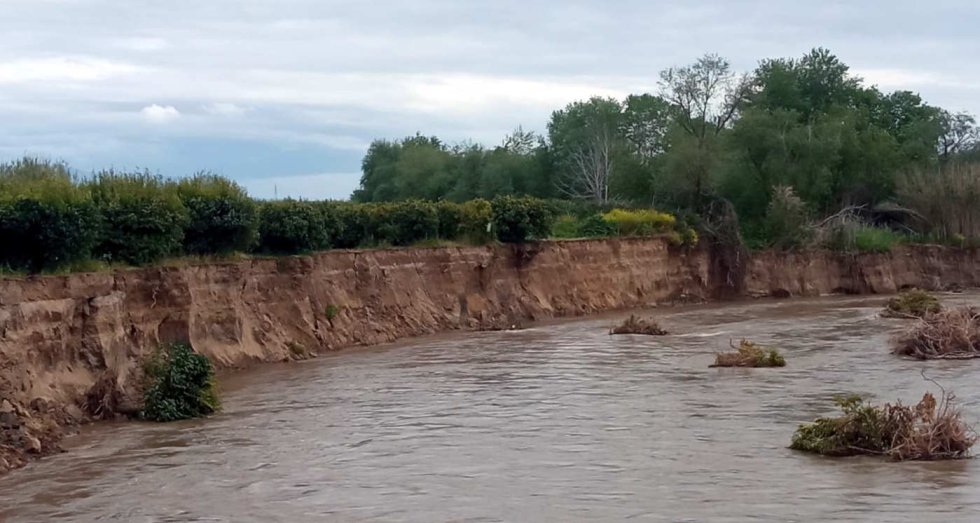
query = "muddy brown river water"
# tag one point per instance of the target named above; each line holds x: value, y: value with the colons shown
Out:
x: 560, y: 422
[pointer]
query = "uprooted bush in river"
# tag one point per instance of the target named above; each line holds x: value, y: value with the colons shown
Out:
x: 927, y: 431
x: 947, y: 334
x: 913, y: 303
x: 748, y: 354
x: 179, y: 385
x: 637, y: 325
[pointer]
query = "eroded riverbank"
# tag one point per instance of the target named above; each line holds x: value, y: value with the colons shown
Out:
x: 560, y: 422
x: 77, y: 340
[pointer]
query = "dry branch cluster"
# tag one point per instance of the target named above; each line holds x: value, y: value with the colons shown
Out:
x: 637, y: 325
x: 947, y: 334
x: 748, y: 354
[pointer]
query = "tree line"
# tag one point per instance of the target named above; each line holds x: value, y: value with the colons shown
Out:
x: 799, y: 128
x: 54, y: 220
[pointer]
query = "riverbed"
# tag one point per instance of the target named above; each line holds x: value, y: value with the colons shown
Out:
x: 558, y: 422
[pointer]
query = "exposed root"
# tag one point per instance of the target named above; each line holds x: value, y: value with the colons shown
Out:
x: 912, y: 304
x: 748, y: 354
x: 948, y: 334
x: 637, y: 325
x: 930, y: 430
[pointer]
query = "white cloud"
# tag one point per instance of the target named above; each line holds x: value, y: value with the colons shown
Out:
x: 908, y: 79
x: 159, y: 114
x: 304, y: 73
x: 79, y: 69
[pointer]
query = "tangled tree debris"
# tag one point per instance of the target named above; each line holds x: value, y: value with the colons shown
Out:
x: 913, y: 303
x: 948, y: 334
x: 637, y: 325
x: 930, y: 430
x: 748, y: 354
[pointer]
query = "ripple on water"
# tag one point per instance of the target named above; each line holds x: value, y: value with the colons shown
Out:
x: 561, y: 422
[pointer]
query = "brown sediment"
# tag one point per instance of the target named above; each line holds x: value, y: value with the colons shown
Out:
x: 76, y: 342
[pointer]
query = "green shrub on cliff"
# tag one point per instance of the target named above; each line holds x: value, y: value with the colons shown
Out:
x: 142, y: 215
x: 292, y: 227
x: 876, y: 239
x: 223, y: 218
x: 405, y: 223
x: 642, y: 222
x: 565, y: 226
x: 46, y: 221
x: 519, y: 219
x: 179, y: 385
x: 595, y: 226
x: 475, y: 226
x: 354, y: 224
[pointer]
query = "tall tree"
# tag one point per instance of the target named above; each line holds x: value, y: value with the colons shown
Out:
x: 706, y: 97
x: 585, y: 137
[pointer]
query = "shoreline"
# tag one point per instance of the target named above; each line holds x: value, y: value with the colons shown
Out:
x: 65, y: 338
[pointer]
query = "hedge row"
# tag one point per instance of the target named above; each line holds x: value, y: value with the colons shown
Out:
x: 50, y: 220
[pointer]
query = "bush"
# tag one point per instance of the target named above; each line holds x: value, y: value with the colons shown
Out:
x: 292, y: 227
x: 644, y: 222
x: 876, y: 239
x: 179, y: 385
x: 946, y: 334
x: 565, y: 226
x: 912, y: 304
x: 142, y: 215
x: 46, y: 221
x: 595, y: 226
x: 405, y: 223
x: 450, y: 219
x: 689, y: 237
x: 476, y: 223
x: 787, y: 224
x: 354, y: 224
x: 519, y: 219
x: 929, y: 430
x: 748, y: 354
x: 222, y: 217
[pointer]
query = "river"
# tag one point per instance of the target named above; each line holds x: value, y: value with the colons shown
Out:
x: 559, y: 422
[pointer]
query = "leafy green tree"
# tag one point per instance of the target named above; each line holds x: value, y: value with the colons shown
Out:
x: 705, y: 98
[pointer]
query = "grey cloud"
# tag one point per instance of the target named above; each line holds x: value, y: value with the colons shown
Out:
x: 335, y: 74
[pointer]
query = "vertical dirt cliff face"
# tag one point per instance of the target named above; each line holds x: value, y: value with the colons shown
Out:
x: 71, y: 346
x: 77, y: 341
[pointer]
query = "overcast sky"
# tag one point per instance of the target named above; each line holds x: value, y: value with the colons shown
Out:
x: 287, y: 94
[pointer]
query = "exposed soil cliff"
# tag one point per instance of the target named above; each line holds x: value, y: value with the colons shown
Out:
x: 71, y: 346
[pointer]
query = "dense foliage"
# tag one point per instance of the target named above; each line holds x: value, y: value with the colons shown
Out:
x: 46, y: 220
x: 143, y: 218
x: 222, y: 216
x: 50, y: 220
x: 179, y: 385
x: 797, y: 153
x: 791, y: 142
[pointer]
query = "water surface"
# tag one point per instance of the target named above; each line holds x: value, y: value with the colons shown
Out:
x: 560, y: 422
